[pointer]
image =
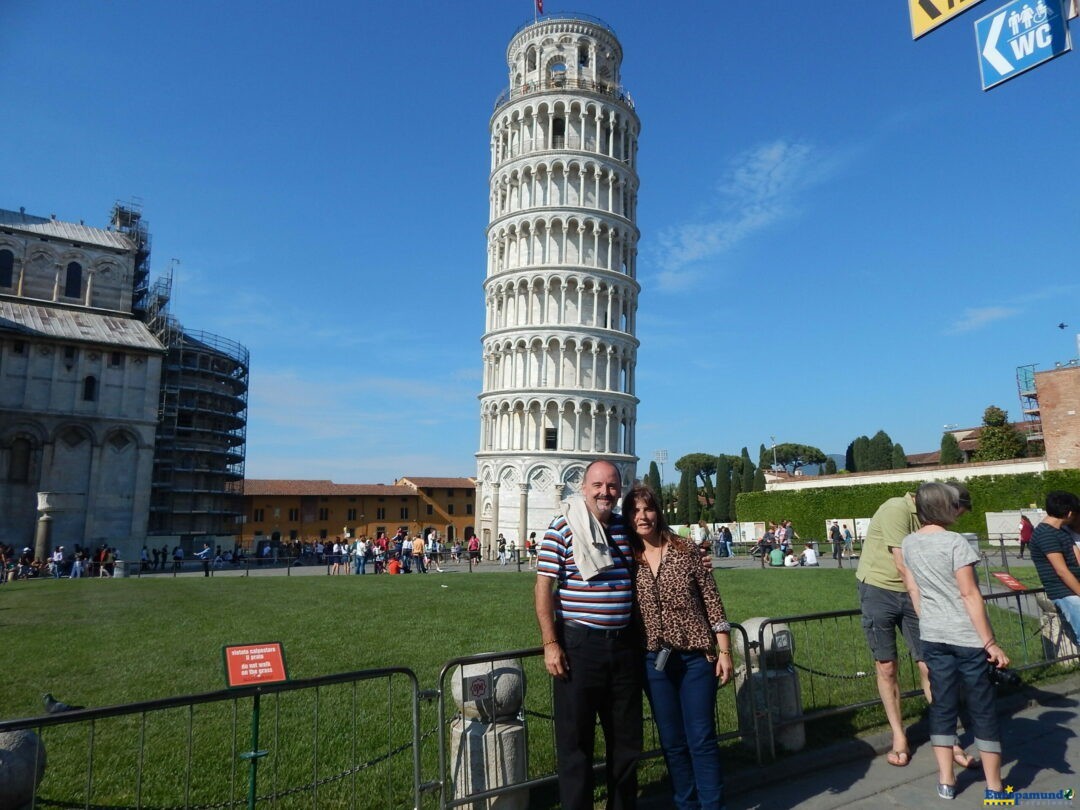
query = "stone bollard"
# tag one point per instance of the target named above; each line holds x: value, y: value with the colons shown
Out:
x: 767, y: 686
x: 22, y: 766
x: 487, y: 742
x: 1055, y: 640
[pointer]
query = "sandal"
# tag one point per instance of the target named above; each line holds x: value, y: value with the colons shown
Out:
x: 898, y: 759
x: 964, y: 760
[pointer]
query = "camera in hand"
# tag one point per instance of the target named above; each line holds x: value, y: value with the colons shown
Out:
x: 1002, y: 677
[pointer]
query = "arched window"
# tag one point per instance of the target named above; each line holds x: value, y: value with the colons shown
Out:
x: 89, y: 389
x: 7, y: 268
x: 73, y: 282
x: 530, y: 59
x: 19, y: 461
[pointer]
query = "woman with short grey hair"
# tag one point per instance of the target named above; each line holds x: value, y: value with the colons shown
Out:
x: 957, y: 640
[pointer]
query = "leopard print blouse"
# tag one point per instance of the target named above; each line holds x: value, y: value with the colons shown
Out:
x: 681, y: 605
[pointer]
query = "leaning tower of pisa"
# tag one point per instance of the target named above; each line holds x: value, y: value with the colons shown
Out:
x: 561, y: 291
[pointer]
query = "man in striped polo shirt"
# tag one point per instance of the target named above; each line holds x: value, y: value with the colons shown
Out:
x: 590, y: 644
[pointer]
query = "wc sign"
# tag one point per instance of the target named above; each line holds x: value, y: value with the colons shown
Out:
x: 1020, y: 36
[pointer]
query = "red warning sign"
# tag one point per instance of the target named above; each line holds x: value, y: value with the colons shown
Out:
x: 1010, y: 582
x: 255, y: 664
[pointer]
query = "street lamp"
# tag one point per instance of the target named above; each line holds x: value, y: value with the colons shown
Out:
x: 773, y: 439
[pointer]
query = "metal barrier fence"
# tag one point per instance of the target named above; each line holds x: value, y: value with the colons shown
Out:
x: 347, y: 740
x: 836, y: 672
x: 356, y: 739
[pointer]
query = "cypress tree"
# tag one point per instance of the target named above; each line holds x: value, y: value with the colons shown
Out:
x: 682, y: 508
x: 759, y: 480
x: 830, y: 466
x: 722, y: 503
x: 694, y: 505
x: 747, y: 472
x: 653, y: 478
x: 861, y: 453
x: 849, y: 458
x: 736, y: 488
x: 950, y: 450
x: 880, y: 455
x: 899, y: 457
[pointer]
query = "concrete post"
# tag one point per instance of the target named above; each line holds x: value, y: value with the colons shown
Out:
x: 767, y: 688
x: 487, y: 743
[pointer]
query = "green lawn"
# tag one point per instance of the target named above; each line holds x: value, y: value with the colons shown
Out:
x: 105, y: 642
x: 165, y: 635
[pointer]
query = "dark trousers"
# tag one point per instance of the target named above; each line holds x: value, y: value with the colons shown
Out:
x: 958, y: 675
x: 605, y: 681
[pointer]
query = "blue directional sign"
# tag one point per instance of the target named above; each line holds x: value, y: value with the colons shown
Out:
x: 1019, y: 36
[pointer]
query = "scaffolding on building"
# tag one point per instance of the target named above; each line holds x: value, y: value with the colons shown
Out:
x: 202, y: 425
x: 1029, y: 403
x: 127, y: 219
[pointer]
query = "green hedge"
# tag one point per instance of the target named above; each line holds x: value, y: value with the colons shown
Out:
x: 808, y: 509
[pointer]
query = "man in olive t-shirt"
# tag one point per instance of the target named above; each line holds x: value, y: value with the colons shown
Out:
x: 886, y: 606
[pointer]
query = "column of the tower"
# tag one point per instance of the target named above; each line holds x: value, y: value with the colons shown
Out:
x: 559, y: 349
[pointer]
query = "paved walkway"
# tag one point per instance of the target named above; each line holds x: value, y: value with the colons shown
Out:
x: 1041, y: 739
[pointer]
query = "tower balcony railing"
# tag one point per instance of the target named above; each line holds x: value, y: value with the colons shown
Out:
x: 570, y: 16
x: 554, y: 84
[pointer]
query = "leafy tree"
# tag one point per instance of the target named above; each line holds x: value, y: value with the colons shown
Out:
x: 722, y: 501
x: 880, y: 455
x: 830, y: 466
x: 998, y: 440
x: 764, y: 457
x: 797, y: 455
x: 736, y: 488
x: 950, y: 450
x: 682, y: 510
x: 700, y: 466
x: 899, y: 457
x: 747, y: 472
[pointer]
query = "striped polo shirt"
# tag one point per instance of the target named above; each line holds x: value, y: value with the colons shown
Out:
x: 603, y: 602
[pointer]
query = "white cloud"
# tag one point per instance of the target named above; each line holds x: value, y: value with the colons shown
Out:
x: 760, y: 188
x: 979, y: 317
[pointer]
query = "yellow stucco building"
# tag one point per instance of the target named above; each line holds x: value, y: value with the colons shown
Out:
x: 278, y: 510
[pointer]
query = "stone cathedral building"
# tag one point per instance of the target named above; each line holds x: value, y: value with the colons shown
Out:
x: 561, y: 293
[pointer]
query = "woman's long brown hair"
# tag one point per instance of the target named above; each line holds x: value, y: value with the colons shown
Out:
x: 629, y: 506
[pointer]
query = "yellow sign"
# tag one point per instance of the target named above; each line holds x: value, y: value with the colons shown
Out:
x: 926, y: 15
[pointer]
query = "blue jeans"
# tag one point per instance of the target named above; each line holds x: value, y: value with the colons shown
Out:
x: 956, y: 671
x: 360, y: 562
x: 1070, y: 609
x: 683, y: 700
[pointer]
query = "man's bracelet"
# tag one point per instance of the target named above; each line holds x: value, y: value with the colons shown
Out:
x: 553, y: 641
x: 990, y: 644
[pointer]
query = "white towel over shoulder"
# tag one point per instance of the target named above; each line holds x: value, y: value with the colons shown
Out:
x: 592, y: 554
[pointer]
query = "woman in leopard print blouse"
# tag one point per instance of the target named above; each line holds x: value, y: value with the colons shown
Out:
x: 688, y: 649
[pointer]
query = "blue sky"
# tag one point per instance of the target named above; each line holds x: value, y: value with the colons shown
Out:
x: 841, y: 232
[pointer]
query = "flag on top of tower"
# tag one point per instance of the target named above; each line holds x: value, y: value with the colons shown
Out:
x: 539, y: 6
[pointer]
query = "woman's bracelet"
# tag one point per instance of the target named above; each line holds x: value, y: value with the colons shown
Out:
x: 723, y: 652
x: 990, y: 644
x: 553, y: 641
